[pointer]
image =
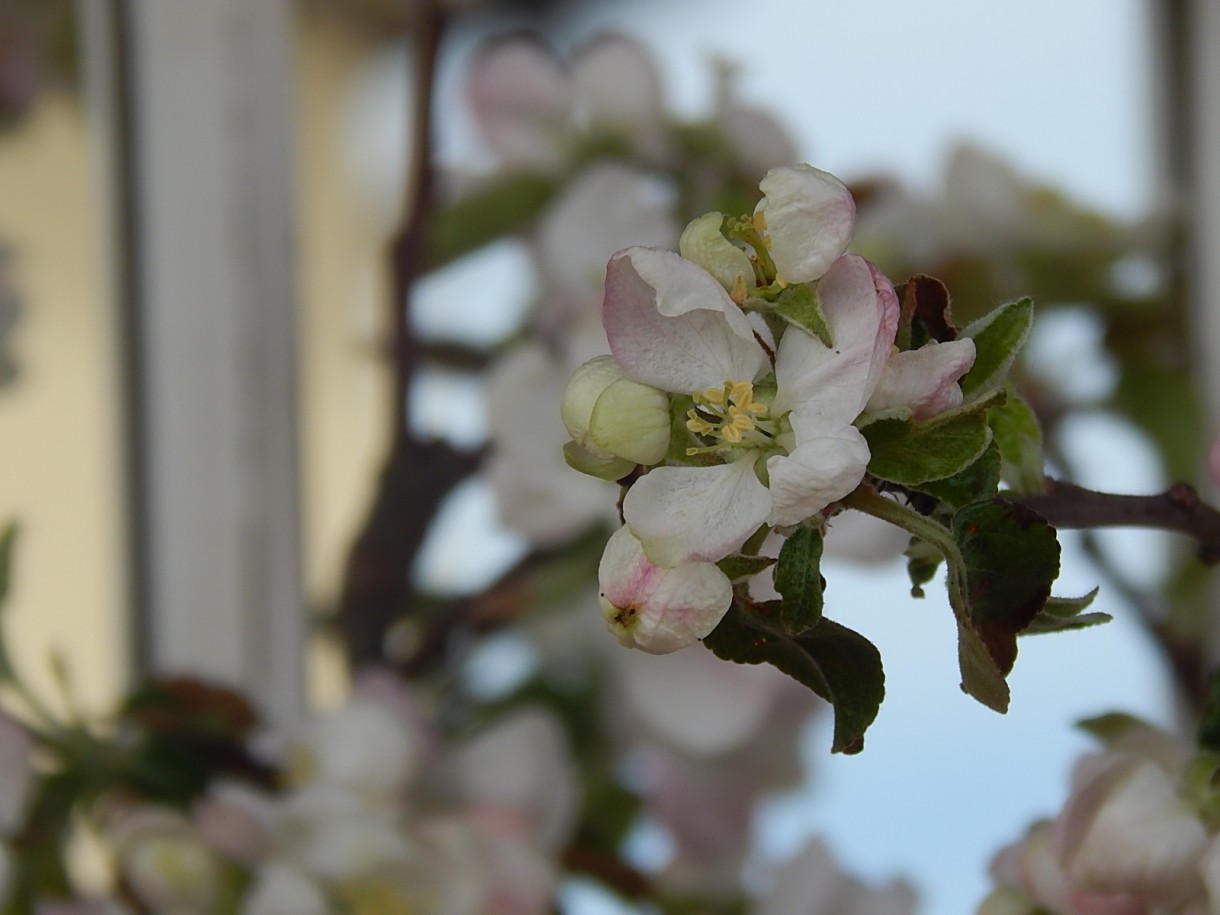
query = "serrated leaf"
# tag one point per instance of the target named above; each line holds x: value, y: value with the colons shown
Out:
x: 840, y: 665
x: 798, y: 579
x: 978, y: 481
x: 799, y: 305
x: 1019, y: 438
x: 998, y: 337
x: 913, y: 453
x: 738, y: 567
x: 1011, y: 558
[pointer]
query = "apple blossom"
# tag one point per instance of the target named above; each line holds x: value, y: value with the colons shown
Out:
x: 655, y: 609
x: 672, y: 326
x: 165, y: 861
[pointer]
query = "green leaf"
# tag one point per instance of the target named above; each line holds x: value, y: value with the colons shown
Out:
x: 1011, y: 558
x: 913, y: 453
x: 979, y: 481
x: 998, y: 337
x: 1064, y: 613
x: 1019, y: 438
x: 739, y: 567
x: 840, y: 665
x: 798, y: 579
x: 982, y: 678
x: 799, y: 305
x: 485, y: 215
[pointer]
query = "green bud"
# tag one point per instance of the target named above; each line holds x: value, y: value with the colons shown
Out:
x: 613, y: 419
x: 703, y: 243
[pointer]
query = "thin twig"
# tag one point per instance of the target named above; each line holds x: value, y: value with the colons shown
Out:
x: 417, y: 474
x: 1179, y: 509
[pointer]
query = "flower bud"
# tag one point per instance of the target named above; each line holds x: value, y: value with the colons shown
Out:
x: 658, y: 610
x: 704, y: 243
x: 610, y: 416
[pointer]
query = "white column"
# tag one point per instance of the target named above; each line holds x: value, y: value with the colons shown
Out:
x: 1204, y: 198
x: 209, y: 223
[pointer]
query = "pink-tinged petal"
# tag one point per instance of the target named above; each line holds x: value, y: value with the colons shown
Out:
x: 861, y: 310
x: 670, y: 324
x: 826, y: 465
x: 696, y: 514
x: 810, y: 217
x: 658, y: 610
x: 1126, y: 830
x: 924, y: 380
x: 522, y: 101
x: 618, y: 86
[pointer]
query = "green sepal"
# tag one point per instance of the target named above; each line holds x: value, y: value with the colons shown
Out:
x: 603, y: 466
x: 485, y: 215
x: 1062, y: 614
x: 840, y: 665
x: 799, y: 581
x: 1011, y: 557
x: 912, y: 453
x: 799, y: 305
x: 738, y: 567
x: 998, y: 337
x: 1019, y: 438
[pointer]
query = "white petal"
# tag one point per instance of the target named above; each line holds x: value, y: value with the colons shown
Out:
x: 658, y: 610
x: 670, y: 324
x: 693, y: 514
x: 618, y: 86
x: 924, y: 380
x: 1127, y: 830
x: 810, y: 218
x: 827, y: 464
x: 861, y: 310
x: 604, y: 209
x: 522, y: 101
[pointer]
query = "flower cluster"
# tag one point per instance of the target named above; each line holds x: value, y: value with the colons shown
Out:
x: 374, y: 813
x: 741, y: 372
x: 1137, y: 835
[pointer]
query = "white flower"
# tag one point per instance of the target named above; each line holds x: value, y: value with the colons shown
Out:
x: 672, y: 325
x: 813, y: 884
x: 521, y: 764
x: 655, y: 609
x: 280, y: 889
x: 367, y: 746
x: 1126, y: 830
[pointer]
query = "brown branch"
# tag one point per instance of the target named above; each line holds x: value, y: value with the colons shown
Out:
x: 1179, y: 509
x: 416, y: 475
